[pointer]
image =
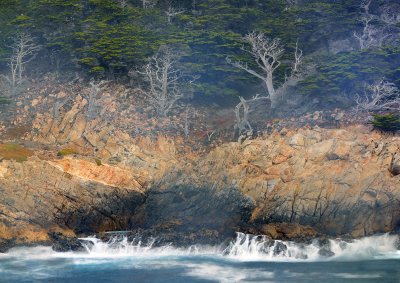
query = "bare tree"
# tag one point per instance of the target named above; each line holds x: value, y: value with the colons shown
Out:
x: 382, y: 95
x: 148, y: 3
x: 186, y: 126
x: 24, y: 50
x: 298, y: 59
x: 267, y: 52
x: 298, y: 71
x: 166, y: 80
x: 123, y: 4
x: 377, y: 30
x: 292, y: 2
x: 173, y: 12
x: 242, y: 111
x: 93, y: 100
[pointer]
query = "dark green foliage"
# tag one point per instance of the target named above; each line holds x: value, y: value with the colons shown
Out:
x: 348, y: 72
x: 100, y: 38
x: 4, y: 100
x: 386, y: 122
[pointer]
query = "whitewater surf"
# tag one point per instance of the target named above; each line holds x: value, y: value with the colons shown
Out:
x: 246, y: 259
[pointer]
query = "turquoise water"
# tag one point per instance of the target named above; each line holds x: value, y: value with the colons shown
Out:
x: 248, y: 259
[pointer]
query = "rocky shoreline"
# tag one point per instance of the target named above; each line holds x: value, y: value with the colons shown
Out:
x: 292, y: 185
x: 66, y: 174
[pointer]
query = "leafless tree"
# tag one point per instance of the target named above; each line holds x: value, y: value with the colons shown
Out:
x: 298, y: 60
x: 382, y: 95
x: 376, y: 29
x: 242, y: 111
x: 148, y: 3
x: 186, y: 125
x: 298, y: 72
x: 123, y: 4
x: 266, y: 52
x: 166, y: 80
x: 24, y: 50
x: 93, y: 99
x: 210, y: 135
x: 173, y: 12
x: 292, y: 2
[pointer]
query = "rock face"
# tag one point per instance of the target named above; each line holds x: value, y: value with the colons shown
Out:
x: 287, y: 185
x: 339, y: 182
x: 395, y: 164
x: 37, y: 197
x: 196, y: 211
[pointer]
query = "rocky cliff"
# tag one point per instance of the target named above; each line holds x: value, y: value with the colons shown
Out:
x: 75, y: 175
x: 290, y: 184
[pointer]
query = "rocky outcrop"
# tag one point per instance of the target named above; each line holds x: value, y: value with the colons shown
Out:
x: 337, y: 181
x: 39, y: 197
x: 287, y: 185
x: 394, y: 167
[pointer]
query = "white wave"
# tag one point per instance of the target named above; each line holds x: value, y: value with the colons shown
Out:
x: 356, y: 276
x: 259, y: 248
x: 226, y: 274
x: 215, y: 264
x: 244, y: 248
x: 374, y: 247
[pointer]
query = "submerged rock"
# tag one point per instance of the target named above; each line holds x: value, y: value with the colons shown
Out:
x: 325, y: 252
x: 64, y: 243
x: 279, y: 248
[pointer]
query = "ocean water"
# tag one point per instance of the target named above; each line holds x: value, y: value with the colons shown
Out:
x: 247, y: 259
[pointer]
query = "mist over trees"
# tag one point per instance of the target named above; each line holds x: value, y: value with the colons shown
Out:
x: 348, y: 43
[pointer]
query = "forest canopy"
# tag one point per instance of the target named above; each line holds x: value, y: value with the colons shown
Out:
x: 113, y: 39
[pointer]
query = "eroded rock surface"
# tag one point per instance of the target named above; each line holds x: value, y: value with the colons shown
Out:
x: 290, y: 184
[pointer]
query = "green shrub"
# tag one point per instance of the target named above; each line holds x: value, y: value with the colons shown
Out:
x: 4, y: 100
x: 66, y: 151
x: 98, y: 161
x: 386, y: 122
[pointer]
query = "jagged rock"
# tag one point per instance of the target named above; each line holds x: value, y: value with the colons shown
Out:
x: 63, y: 243
x: 279, y: 248
x: 325, y: 252
x: 395, y: 164
x: 327, y: 185
x: 297, y: 140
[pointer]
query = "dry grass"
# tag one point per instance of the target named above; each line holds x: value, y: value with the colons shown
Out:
x: 15, y: 152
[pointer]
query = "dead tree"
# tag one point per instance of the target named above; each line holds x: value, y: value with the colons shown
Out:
x: 166, y: 81
x: 186, y: 125
x: 24, y: 50
x: 298, y: 71
x: 373, y: 34
x: 173, y: 12
x: 266, y: 52
x: 93, y: 105
x: 292, y: 2
x: 147, y: 4
x: 382, y: 95
x: 298, y: 60
x: 242, y: 111
x: 123, y: 4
